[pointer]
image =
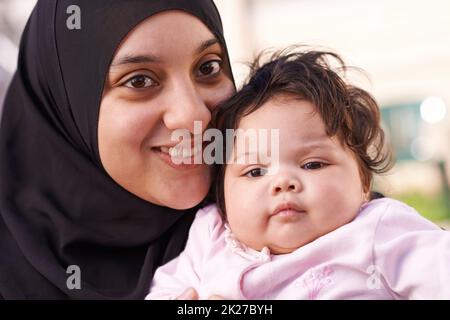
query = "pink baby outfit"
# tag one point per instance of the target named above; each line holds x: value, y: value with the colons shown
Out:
x: 388, y: 251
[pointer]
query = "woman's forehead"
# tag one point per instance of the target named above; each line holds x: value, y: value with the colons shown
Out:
x: 164, y: 33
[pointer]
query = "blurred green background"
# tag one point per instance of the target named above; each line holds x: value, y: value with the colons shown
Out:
x: 416, y: 133
x: 432, y: 207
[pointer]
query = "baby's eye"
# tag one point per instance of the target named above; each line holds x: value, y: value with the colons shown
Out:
x: 140, y: 81
x: 210, y: 68
x: 314, y: 165
x: 258, y: 172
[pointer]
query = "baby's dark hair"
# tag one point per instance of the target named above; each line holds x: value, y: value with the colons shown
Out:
x: 348, y: 112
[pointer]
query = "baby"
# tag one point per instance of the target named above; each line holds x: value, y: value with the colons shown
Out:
x: 304, y: 224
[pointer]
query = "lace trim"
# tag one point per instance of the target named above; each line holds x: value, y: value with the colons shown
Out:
x: 242, y: 250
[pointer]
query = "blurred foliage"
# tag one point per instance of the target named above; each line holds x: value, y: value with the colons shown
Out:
x: 433, y: 208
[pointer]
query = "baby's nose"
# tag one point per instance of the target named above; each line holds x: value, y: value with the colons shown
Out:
x: 285, y: 184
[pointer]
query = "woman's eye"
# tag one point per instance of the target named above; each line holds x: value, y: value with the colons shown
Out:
x: 139, y: 82
x: 314, y: 165
x: 258, y: 172
x: 210, y: 68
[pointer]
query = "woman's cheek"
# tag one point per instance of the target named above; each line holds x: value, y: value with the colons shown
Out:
x: 214, y: 96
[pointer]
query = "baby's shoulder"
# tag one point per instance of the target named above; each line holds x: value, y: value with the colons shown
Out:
x: 382, y: 205
x: 209, y: 212
x: 208, y: 219
x: 391, y: 214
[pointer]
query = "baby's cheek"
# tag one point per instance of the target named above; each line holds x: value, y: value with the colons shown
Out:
x: 333, y: 206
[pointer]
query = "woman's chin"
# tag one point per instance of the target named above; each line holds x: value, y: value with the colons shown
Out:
x: 188, y: 193
x: 186, y: 201
x: 174, y: 197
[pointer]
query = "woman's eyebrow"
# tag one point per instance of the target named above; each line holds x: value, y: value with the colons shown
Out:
x: 131, y: 59
x: 137, y: 59
x: 206, y: 44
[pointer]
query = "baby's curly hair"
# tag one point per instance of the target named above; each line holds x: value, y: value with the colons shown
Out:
x: 348, y: 112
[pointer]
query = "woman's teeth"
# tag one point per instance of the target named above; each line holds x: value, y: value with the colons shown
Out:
x: 181, y: 152
x: 164, y: 149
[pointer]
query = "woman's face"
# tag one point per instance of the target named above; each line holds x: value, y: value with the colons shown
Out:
x: 166, y: 74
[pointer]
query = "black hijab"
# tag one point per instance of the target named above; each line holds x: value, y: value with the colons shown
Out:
x: 58, y: 206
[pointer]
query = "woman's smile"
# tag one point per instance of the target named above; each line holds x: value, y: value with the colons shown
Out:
x: 179, y: 158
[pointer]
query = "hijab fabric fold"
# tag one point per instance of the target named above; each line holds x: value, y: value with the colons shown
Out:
x: 58, y: 206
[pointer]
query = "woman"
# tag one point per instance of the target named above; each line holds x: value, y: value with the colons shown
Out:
x: 86, y: 186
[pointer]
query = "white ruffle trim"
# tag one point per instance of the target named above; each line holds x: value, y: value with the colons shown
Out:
x: 242, y: 250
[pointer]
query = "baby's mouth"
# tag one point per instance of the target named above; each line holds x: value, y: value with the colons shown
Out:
x: 287, y: 209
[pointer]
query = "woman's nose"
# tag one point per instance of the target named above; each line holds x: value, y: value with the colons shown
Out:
x: 184, y: 107
x: 285, y: 184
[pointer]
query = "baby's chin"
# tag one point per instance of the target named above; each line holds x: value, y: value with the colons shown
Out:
x: 277, y: 250
x: 282, y: 247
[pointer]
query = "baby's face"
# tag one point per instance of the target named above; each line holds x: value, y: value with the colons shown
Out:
x: 313, y: 188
